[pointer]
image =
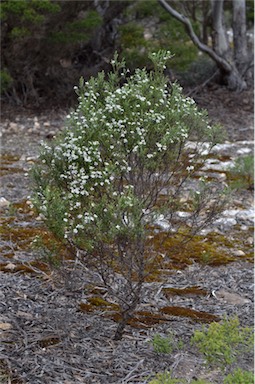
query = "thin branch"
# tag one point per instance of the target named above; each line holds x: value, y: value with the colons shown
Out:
x: 221, y: 62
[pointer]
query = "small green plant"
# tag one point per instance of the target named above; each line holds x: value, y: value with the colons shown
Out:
x: 222, y: 343
x: 166, y: 344
x: 242, y: 174
x: 166, y: 378
x: 162, y: 344
x: 239, y: 377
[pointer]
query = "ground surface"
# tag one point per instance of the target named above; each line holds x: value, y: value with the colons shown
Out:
x: 47, y: 339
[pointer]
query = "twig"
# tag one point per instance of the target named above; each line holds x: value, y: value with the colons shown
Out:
x: 126, y: 379
x: 201, y: 86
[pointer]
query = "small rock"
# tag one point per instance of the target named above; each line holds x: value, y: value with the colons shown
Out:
x: 10, y: 266
x: 231, y: 298
x: 46, y: 124
x: 36, y: 125
x: 246, y: 217
x: 39, y: 218
x: 162, y: 223
x: 238, y: 252
x: 5, y: 326
x: 225, y: 223
x: 244, y: 151
x: 4, y: 203
x: 13, y: 126
x: 25, y: 315
x: 250, y: 240
x: 183, y: 214
x: 230, y: 212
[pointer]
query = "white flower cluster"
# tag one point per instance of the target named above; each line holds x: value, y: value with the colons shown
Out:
x: 109, y: 135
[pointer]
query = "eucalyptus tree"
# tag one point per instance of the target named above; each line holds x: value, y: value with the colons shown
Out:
x: 233, y: 58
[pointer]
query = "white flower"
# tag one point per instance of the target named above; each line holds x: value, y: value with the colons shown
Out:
x: 190, y: 168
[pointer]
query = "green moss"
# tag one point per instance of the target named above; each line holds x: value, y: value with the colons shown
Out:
x: 97, y: 302
x: 181, y: 251
x: 199, y: 316
x: 190, y: 291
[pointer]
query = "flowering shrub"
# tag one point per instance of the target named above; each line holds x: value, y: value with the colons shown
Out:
x: 98, y: 185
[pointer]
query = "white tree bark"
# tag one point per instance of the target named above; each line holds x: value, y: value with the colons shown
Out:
x: 239, y: 31
x: 220, y: 52
x: 221, y: 62
x: 220, y: 42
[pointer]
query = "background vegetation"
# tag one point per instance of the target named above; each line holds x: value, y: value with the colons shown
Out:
x: 48, y: 45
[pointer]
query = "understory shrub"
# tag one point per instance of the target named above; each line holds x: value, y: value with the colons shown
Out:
x: 98, y: 185
x: 222, y: 343
x: 239, y: 377
x: 241, y: 174
x: 166, y: 344
x: 166, y: 378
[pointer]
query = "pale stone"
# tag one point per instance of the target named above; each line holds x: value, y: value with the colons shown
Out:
x: 36, y: 125
x: 10, y: 266
x: 4, y: 202
x: 13, y: 126
x: 238, y: 252
x: 250, y: 240
x: 232, y: 298
x: 5, y: 326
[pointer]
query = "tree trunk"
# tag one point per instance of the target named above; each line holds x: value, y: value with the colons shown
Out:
x: 121, y: 326
x: 239, y: 31
x: 220, y: 42
x: 220, y: 53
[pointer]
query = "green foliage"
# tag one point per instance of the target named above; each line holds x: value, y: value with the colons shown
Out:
x: 162, y: 344
x: 27, y: 10
x: 78, y: 30
x: 24, y: 15
x: 166, y: 344
x: 5, y: 80
x: 167, y: 33
x: 97, y: 184
x: 19, y: 32
x: 250, y: 12
x: 242, y: 174
x: 239, y: 377
x: 222, y: 343
x: 166, y: 378
x: 132, y: 35
x: 173, y: 35
x: 90, y: 175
